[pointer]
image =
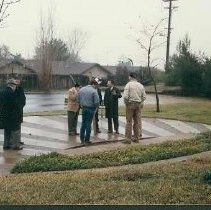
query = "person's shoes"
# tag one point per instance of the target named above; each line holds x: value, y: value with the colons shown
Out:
x: 21, y: 143
x: 72, y: 134
x: 117, y: 132
x: 6, y: 147
x: 88, y: 142
x: 98, y: 131
x: 110, y: 132
x: 76, y: 134
x: 135, y: 140
x: 126, y: 141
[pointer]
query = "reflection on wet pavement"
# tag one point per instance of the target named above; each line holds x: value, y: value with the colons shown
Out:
x: 55, y: 101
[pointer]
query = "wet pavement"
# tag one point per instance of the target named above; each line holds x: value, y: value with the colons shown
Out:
x: 55, y: 101
x: 44, y: 134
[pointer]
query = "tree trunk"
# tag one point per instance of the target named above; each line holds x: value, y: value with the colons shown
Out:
x: 156, y: 92
x: 156, y: 95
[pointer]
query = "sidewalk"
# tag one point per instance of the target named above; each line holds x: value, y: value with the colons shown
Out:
x: 118, y: 144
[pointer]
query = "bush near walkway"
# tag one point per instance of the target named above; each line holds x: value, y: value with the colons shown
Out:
x: 133, y: 154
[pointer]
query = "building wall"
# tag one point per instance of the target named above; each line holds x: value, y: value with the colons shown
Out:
x: 96, y: 72
x: 29, y: 80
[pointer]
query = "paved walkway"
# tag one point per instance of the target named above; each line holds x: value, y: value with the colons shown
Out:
x: 49, y: 133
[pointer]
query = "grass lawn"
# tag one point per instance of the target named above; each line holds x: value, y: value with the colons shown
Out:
x: 176, y: 183
x: 194, y: 112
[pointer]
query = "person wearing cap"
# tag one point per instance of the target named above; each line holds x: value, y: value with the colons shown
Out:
x: 73, y: 110
x: 11, y: 117
x: 112, y: 94
x: 134, y: 96
x: 88, y: 100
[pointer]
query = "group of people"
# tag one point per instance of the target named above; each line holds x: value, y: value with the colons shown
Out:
x: 12, y: 101
x: 88, y: 99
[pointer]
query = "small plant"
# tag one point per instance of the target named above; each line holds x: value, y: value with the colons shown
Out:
x: 207, y: 177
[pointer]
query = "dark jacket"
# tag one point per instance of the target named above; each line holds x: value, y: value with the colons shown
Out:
x: 100, y: 95
x: 10, y: 110
x: 1, y: 110
x: 111, y: 102
x: 21, y: 100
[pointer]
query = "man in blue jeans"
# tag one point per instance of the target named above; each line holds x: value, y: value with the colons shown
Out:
x: 88, y: 100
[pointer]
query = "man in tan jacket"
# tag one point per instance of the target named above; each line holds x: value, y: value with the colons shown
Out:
x: 73, y: 110
x: 134, y: 96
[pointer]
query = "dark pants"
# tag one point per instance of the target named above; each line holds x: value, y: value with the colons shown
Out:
x: 12, y: 138
x: 97, y: 121
x: 72, y: 122
x: 87, y: 117
x: 116, y: 124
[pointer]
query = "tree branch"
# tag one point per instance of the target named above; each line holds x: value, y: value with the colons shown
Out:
x: 4, y: 5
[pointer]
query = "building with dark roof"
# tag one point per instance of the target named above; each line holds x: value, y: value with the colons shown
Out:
x: 30, y: 71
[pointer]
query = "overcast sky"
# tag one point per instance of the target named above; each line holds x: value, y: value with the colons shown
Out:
x: 107, y: 24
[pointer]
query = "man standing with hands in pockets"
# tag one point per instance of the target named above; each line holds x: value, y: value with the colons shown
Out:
x: 134, y: 96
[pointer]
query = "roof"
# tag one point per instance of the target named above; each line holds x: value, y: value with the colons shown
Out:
x: 65, y: 68
x: 31, y: 70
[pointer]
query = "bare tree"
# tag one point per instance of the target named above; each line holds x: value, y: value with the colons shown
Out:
x: 5, y: 54
x: 76, y: 41
x: 4, y: 6
x: 46, y: 51
x: 149, y: 41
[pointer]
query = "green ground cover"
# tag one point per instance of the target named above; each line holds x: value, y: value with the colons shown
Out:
x: 194, y: 112
x: 133, y: 154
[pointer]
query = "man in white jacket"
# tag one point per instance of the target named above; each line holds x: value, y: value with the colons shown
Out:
x: 134, y: 96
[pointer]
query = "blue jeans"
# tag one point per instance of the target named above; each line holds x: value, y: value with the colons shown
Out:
x: 87, y: 116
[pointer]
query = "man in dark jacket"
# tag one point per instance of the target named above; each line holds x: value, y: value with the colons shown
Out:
x: 21, y: 100
x: 112, y: 94
x: 11, y: 117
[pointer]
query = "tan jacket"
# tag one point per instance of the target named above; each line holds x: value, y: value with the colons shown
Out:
x: 72, y: 106
x: 134, y: 92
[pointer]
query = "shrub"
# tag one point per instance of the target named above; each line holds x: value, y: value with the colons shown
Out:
x: 123, y: 156
x: 206, y: 177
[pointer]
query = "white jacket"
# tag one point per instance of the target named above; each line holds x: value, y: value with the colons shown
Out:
x: 134, y: 92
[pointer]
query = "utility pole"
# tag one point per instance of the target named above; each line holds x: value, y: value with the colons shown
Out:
x: 170, y: 8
